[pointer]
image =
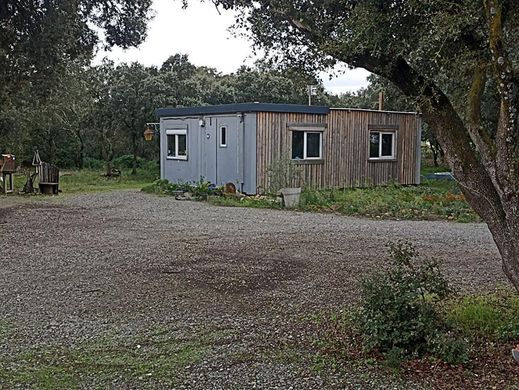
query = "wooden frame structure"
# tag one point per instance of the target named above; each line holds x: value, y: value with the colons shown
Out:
x: 7, y: 169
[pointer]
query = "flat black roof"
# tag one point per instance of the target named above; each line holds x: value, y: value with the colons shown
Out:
x: 241, y: 107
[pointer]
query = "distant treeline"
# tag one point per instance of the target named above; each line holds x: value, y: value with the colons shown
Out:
x: 99, y: 112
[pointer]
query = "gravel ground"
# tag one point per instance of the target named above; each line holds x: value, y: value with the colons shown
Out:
x: 77, y: 268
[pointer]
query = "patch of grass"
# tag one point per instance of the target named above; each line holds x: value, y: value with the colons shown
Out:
x: 493, y: 316
x: 87, y: 180
x: 428, y: 169
x: 430, y: 201
x: 156, y: 359
x: 200, y: 190
x: 91, y: 181
x: 435, y: 200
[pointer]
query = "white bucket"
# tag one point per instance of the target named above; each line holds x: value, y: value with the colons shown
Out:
x: 291, y: 197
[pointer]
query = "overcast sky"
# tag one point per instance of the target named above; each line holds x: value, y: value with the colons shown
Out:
x: 202, y: 33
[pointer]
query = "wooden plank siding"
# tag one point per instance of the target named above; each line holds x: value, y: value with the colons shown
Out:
x: 345, y: 150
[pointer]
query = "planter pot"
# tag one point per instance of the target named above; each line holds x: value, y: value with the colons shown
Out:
x: 290, y: 197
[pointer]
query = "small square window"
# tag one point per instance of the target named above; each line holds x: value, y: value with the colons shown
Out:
x: 381, y: 145
x: 307, y: 145
x: 177, y: 144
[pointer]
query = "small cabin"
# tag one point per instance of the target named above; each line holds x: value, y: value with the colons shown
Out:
x: 332, y: 147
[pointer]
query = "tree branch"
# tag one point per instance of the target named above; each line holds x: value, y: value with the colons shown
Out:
x: 480, y: 136
x: 506, y: 135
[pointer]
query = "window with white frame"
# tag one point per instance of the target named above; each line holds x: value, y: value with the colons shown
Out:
x: 382, y: 145
x: 307, y: 145
x: 223, y: 136
x: 177, y: 144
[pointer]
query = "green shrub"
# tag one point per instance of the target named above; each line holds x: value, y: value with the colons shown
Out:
x: 126, y: 162
x: 283, y: 173
x: 432, y: 200
x: 163, y: 186
x: 398, y: 307
x: 449, y: 348
x: 94, y: 164
x: 200, y: 190
x: 394, y: 357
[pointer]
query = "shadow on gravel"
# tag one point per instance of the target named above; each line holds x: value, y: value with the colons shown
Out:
x: 241, y: 274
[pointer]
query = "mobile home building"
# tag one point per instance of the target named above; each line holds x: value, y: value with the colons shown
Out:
x: 333, y: 148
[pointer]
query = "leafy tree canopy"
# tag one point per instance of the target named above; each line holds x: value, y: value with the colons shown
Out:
x: 39, y: 39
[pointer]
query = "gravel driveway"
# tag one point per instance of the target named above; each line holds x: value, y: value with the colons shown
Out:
x: 79, y: 268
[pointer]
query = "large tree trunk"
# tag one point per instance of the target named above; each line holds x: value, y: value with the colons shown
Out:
x: 81, y: 151
x: 134, y: 163
x: 490, y: 193
x: 107, y: 151
x: 506, y: 238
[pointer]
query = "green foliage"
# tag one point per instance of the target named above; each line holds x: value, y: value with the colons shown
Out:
x: 368, y: 98
x: 93, y: 164
x: 449, y: 348
x: 258, y: 202
x: 44, y: 49
x: 126, y: 162
x: 398, y: 304
x: 493, y: 316
x: 395, y: 357
x: 431, y: 200
x: 200, y: 190
x: 283, y: 173
x: 165, y: 187
x: 155, y: 359
x: 92, y: 180
x: 437, y: 200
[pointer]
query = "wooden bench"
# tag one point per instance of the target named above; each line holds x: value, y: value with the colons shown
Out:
x: 48, y: 176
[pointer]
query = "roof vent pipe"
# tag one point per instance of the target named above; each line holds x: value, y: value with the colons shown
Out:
x: 381, y: 101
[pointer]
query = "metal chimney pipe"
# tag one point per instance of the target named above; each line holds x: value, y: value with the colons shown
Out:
x: 381, y: 101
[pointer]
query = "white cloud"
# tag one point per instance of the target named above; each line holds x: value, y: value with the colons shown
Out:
x: 202, y: 32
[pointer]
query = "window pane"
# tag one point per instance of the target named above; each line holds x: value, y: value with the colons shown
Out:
x: 297, y: 145
x: 313, y: 145
x: 387, y: 145
x: 171, y: 146
x: 223, y: 136
x: 374, y: 143
x: 182, y: 141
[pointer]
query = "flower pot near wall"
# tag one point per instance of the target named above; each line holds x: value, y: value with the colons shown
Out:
x: 290, y: 197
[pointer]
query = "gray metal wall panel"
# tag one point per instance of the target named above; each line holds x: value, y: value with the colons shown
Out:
x: 249, y: 154
x: 236, y: 163
x: 208, y: 137
x: 180, y: 170
x: 227, y: 157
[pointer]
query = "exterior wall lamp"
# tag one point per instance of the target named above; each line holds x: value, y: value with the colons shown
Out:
x: 150, y: 130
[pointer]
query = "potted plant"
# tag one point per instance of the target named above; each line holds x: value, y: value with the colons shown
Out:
x: 285, y: 180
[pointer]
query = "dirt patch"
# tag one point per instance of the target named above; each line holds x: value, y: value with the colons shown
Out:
x: 236, y: 272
